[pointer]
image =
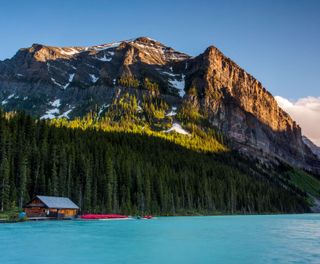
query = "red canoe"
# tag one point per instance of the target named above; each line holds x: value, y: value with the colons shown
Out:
x: 102, y: 216
x: 148, y: 217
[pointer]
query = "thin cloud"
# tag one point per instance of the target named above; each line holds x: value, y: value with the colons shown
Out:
x: 306, y: 112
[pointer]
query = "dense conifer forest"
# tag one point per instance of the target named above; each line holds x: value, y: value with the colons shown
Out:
x: 112, y: 170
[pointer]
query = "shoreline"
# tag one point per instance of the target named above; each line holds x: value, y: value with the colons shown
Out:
x: 7, y: 221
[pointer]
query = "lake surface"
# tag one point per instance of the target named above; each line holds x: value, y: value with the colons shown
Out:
x: 219, y: 239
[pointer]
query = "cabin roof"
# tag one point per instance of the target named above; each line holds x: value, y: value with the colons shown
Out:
x: 57, y: 202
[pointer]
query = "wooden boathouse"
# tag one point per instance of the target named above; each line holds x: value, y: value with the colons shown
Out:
x: 51, y: 207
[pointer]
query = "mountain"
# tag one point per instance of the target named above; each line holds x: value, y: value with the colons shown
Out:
x: 313, y: 147
x: 209, y: 90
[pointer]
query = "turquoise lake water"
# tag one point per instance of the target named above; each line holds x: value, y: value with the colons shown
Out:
x: 218, y: 239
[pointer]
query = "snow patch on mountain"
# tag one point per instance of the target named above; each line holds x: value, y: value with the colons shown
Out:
x: 104, y: 58
x: 173, y: 111
x: 50, y: 114
x: 106, y: 46
x: 71, y: 76
x: 55, y: 82
x: 8, y: 98
x: 55, y: 103
x: 94, y: 78
x: 65, y: 86
x: 170, y: 73
x: 176, y: 127
x: 66, y: 113
x: 179, y: 84
x: 102, y: 108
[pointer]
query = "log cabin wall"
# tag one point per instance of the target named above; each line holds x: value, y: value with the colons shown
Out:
x: 68, y: 212
x: 35, y: 212
x: 41, y: 212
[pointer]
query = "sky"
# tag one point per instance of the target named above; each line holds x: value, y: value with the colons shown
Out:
x: 306, y: 111
x: 277, y: 41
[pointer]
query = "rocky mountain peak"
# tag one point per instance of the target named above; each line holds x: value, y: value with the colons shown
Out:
x: 221, y: 73
x: 151, y: 51
x: 147, y: 41
x: 211, y: 51
x: 51, y: 82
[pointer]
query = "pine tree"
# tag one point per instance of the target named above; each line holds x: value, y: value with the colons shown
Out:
x: 110, y: 181
x: 22, y: 181
x: 4, y: 183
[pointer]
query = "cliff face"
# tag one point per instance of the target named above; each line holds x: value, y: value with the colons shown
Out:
x: 68, y: 82
x: 240, y: 106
